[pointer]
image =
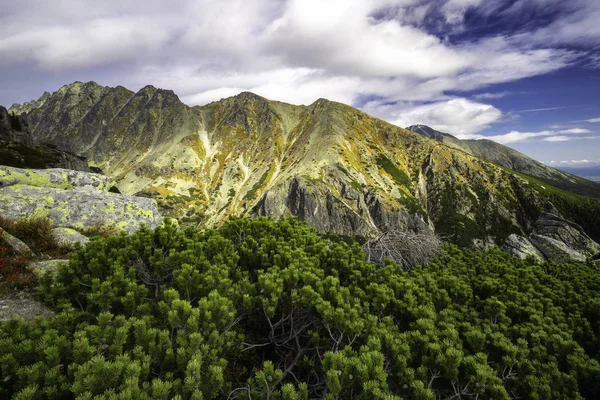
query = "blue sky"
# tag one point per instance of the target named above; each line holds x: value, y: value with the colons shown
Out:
x: 525, y: 73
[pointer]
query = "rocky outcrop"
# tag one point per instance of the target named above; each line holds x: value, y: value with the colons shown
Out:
x: 554, y: 239
x: 72, y: 199
x: 14, y: 128
x: 78, y: 208
x: 54, y: 178
x: 522, y: 247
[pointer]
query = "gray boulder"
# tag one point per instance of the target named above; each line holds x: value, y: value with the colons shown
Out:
x: 568, y: 232
x: 45, y: 266
x: 78, y: 208
x: 68, y: 236
x: 23, y: 307
x: 556, y: 250
x: 16, y: 244
x: 522, y: 247
x: 54, y: 178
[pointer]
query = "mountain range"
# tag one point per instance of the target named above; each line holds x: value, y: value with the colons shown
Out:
x: 335, y: 167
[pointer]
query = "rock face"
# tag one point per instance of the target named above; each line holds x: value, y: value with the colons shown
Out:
x: 14, y: 128
x: 78, y: 208
x: 339, y: 169
x: 555, y: 239
x: 522, y: 247
x: 72, y: 199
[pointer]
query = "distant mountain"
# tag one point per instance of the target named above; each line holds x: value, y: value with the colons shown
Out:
x: 331, y: 165
x: 590, y: 173
x: 512, y: 159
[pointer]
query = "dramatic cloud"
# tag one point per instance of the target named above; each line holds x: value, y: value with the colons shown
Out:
x: 411, y: 60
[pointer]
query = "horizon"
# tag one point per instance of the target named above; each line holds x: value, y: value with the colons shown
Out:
x: 523, y: 73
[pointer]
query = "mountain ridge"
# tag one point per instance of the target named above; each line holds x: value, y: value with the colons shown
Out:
x: 512, y: 159
x: 339, y: 169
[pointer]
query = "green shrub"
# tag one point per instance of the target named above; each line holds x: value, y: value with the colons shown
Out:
x: 261, y: 309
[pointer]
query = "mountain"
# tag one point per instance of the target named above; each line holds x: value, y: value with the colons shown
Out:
x: 590, y: 173
x: 512, y: 159
x: 331, y: 165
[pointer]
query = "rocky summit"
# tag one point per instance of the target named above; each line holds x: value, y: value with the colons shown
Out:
x: 331, y: 165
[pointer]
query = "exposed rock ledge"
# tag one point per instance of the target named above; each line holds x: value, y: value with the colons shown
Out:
x: 554, y: 239
x: 72, y: 199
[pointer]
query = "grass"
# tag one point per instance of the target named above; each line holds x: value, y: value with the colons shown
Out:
x: 37, y: 234
x: 399, y: 176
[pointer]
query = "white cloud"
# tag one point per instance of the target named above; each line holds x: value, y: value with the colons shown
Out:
x: 497, y: 95
x: 575, y: 131
x: 294, y: 51
x: 546, y: 135
x: 459, y: 116
x: 593, y: 120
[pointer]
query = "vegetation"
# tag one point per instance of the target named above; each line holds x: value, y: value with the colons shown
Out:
x: 261, y: 309
x: 37, y: 234
x: 398, y: 175
x: 14, y: 272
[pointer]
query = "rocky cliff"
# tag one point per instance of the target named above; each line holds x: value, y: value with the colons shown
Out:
x: 335, y: 167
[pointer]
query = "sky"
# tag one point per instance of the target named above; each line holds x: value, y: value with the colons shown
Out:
x: 525, y: 73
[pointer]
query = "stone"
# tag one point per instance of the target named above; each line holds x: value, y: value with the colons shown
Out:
x: 55, y: 178
x: 79, y: 208
x: 45, y: 266
x: 68, y: 236
x: 16, y: 244
x: 568, y: 232
x: 23, y: 307
x: 555, y: 250
x: 522, y: 247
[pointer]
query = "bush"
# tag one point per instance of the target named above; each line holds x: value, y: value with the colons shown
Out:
x: 261, y: 309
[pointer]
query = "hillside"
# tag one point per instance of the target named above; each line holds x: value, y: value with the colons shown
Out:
x: 333, y: 166
x: 512, y: 159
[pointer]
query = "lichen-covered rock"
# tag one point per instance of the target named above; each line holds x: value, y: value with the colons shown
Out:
x: 16, y: 244
x: 555, y: 250
x: 23, y: 307
x: 68, y: 236
x: 568, y: 232
x: 522, y: 247
x: 55, y: 178
x: 80, y: 208
x: 45, y: 266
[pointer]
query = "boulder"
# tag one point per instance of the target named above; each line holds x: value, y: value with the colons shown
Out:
x: 44, y: 266
x: 555, y: 250
x: 522, y: 247
x: 79, y: 208
x: 568, y: 232
x: 54, y: 178
x: 23, y: 307
x: 16, y: 244
x: 68, y: 236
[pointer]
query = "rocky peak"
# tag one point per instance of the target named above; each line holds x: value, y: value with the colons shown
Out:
x: 14, y: 128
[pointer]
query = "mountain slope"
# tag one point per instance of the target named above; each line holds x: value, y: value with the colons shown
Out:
x: 512, y: 159
x: 339, y: 169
